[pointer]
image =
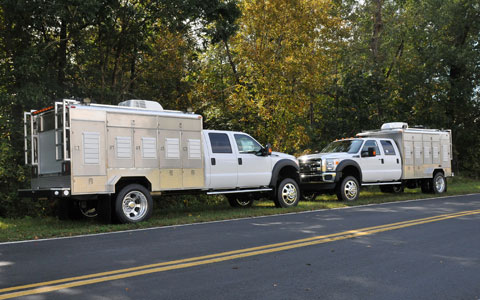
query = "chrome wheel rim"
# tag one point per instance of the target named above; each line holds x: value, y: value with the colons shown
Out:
x: 89, y: 212
x: 243, y: 202
x: 440, y: 184
x: 397, y: 188
x: 350, y: 190
x: 289, y: 193
x: 134, y: 205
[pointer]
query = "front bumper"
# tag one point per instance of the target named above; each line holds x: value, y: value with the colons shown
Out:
x: 319, y: 182
x: 327, y: 177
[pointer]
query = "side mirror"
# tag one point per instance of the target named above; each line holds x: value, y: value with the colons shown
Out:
x: 371, y: 152
x: 267, y: 150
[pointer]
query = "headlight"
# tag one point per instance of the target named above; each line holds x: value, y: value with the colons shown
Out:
x: 332, y: 164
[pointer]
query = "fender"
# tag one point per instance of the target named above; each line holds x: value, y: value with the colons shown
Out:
x: 279, y: 166
x: 347, y: 163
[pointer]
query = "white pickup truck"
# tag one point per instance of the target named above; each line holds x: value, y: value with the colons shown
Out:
x: 109, y: 159
x: 393, y: 158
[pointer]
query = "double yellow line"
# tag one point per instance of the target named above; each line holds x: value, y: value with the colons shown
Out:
x: 64, y: 283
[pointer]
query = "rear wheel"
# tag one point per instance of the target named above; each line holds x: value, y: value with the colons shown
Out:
x: 133, y: 204
x: 239, y: 201
x: 439, y: 183
x: 427, y: 186
x: 288, y: 193
x: 348, y: 189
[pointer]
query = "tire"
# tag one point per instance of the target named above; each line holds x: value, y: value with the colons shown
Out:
x: 288, y: 193
x: 239, y: 201
x: 427, y: 186
x: 439, y: 183
x: 88, y: 209
x: 394, y: 188
x: 348, y: 190
x: 309, y: 196
x: 133, y: 204
x: 398, y: 188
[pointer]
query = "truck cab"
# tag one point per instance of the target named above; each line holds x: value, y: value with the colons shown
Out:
x: 240, y: 167
x: 368, y: 154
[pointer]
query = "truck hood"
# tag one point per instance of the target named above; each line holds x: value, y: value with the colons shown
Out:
x: 325, y: 156
x: 280, y: 155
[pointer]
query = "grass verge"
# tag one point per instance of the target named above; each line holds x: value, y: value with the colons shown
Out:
x: 29, y: 228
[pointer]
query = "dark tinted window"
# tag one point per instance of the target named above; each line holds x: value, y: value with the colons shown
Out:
x: 220, y: 143
x: 388, y: 147
x: 369, y: 144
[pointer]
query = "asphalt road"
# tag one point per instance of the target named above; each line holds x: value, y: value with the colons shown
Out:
x: 428, y: 249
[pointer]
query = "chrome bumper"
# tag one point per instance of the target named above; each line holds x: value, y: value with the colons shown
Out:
x: 321, y: 177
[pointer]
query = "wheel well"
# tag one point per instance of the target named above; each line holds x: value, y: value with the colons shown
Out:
x: 438, y: 171
x: 124, y: 181
x: 288, y: 172
x: 352, y: 171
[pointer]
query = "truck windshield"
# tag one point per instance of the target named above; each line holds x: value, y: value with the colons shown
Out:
x: 349, y: 146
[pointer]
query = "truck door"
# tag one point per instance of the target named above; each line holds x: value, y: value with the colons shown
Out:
x: 222, y: 161
x: 253, y: 170
x: 392, y: 165
x: 372, y: 167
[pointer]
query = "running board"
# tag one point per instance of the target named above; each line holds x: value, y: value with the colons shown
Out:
x: 239, y: 191
x: 381, y: 183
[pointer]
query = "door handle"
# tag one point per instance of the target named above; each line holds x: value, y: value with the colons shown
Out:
x: 381, y: 159
x: 239, y: 160
x: 213, y: 161
x: 398, y: 161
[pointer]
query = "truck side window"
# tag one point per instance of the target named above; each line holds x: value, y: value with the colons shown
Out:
x: 388, y: 148
x: 369, y: 144
x: 220, y: 143
x: 246, y: 144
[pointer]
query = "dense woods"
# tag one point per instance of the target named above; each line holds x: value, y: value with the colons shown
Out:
x: 295, y: 73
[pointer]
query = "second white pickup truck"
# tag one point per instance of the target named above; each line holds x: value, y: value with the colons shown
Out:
x: 393, y: 158
x: 111, y: 159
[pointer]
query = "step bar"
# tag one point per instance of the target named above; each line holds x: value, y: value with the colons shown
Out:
x: 381, y: 183
x: 239, y: 191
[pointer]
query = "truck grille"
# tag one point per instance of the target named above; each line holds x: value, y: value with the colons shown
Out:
x: 310, y: 166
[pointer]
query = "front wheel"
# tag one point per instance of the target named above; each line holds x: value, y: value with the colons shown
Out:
x: 348, y: 189
x: 288, y: 193
x: 133, y: 204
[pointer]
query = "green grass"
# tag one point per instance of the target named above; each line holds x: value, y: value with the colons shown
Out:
x: 29, y: 228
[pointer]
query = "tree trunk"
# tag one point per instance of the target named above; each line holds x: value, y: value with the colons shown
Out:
x: 376, y: 56
x: 230, y: 61
x: 62, y: 56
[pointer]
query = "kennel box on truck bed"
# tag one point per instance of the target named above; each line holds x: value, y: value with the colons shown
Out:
x: 88, y: 148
